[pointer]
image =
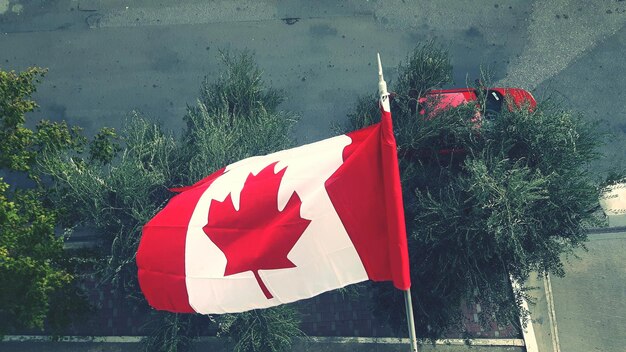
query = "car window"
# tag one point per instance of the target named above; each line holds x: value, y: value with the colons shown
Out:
x: 493, y: 104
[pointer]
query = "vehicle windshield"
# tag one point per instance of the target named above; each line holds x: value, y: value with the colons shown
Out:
x: 493, y: 104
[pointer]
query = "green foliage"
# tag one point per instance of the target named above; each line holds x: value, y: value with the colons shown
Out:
x: 427, y: 67
x: 34, y: 279
x: 19, y: 145
x: 366, y: 112
x: 15, y: 139
x: 104, y: 147
x: 116, y: 188
x: 511, y: 196
x: 171, y: 332
x: 53, y: 137
x: 269, y: 330
x: 115, y: 198
x: 69, y: 306
x: 239, y: 92
x: 233, y: 119
x: 29, y: 260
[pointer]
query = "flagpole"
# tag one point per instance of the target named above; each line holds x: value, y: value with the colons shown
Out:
x: 385, y: 106
x: 408, y: 304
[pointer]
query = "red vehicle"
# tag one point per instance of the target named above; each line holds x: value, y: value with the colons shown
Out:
x: 495, y: 98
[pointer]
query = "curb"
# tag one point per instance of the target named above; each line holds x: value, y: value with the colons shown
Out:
x: 607, y: 230
x: 316, y: 339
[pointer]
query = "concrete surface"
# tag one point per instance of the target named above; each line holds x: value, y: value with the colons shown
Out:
x: 589, y: 303
x: 540, y: 315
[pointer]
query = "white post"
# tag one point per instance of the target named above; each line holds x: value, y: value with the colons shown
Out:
x: 384, y: 105
x: 408, y: 304
x: 530, y: 340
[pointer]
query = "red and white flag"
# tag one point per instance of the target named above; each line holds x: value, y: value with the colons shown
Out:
x: 278, y: 228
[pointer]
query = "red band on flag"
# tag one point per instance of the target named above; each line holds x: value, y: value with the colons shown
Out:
x: 161, y: 253
x: 361, y: 200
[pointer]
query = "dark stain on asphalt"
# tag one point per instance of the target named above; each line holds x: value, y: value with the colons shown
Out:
x: 64, y: 26
x: 473, y: 32
x: 164, y: 59
x: 56, y: 112
x: 290, y: 20
x: 323, y: 30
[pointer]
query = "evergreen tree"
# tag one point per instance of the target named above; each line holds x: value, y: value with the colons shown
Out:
x: 510, y: 196
x: 122, y: 183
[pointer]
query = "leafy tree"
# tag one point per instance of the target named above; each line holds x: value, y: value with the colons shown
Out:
x: 20, y: 145
x: 33, y: 270
x: 512, y: 197
x: 29, y: 257
x: 15, y: 139
x: 124, y: 183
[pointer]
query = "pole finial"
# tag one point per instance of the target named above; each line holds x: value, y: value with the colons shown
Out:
x: 382, y: 86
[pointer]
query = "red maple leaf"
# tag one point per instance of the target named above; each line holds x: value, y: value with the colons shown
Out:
x: 258, y: 236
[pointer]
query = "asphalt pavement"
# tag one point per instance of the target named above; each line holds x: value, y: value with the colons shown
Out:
x: 107, y: 58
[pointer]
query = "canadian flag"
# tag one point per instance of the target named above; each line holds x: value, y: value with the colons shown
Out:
x: 278, y: 228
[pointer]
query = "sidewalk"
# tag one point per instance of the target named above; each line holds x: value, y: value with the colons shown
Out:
x: 586, y: 309
x: 217, y: 345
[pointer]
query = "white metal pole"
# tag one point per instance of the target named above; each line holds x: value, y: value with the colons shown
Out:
x: 409, y: 318
x: 384, y: 105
